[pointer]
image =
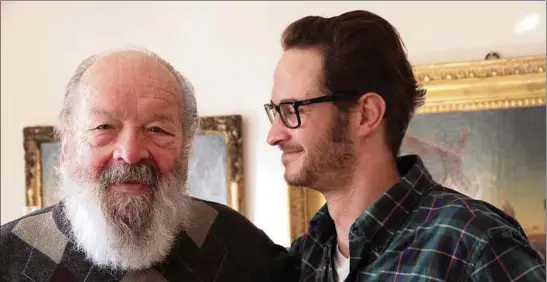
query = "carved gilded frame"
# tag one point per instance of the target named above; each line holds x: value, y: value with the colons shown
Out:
x: 461, y: 86
x: 229, y: 126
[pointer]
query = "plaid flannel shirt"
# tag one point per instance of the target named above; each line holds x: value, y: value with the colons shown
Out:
x: 421, y: 231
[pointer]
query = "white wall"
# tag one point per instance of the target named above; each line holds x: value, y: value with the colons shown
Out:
x: 228, y: 50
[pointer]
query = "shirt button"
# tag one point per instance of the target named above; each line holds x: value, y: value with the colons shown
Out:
x: 357, y: 233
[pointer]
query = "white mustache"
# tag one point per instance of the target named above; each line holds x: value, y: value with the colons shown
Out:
x: 138, y: 173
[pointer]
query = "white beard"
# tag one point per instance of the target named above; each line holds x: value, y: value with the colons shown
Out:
x: 115, y: 248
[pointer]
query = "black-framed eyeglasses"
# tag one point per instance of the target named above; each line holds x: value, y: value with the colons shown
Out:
x: 288, y: 110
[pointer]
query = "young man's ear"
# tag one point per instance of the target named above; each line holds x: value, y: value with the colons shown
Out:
x: 372, y: 108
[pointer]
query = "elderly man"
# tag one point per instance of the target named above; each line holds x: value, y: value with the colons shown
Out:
x: 127, y: 124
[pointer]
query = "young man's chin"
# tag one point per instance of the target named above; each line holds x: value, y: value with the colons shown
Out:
x: 293, y: 176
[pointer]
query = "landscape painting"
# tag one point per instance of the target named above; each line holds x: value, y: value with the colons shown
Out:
x: 49, y: 152
x: 494, y: 155
x: 207, y: 168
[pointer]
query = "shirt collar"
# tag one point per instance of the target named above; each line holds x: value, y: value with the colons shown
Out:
x: 377, y: 224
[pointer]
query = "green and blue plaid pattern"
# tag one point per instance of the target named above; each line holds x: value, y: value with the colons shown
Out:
x: 421, y: 231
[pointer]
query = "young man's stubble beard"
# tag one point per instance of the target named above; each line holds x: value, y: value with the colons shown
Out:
x: 329, y: 162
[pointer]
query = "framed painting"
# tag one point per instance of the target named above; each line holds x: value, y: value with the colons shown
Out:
x: 215, y: 165
x: 481, y: 132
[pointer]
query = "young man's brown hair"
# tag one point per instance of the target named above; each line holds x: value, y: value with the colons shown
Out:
x: 362, y: 53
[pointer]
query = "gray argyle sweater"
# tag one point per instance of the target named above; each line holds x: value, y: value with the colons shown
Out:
x: 223, y: 246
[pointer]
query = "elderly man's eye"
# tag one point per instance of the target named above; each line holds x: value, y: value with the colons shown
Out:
x: 156, y: 129
x: 104, y: 127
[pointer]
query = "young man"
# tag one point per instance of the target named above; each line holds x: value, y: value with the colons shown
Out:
x: 343, y: 96
x: 127, y: 125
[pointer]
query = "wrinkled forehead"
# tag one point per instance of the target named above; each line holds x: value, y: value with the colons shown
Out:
x: 129, y: 74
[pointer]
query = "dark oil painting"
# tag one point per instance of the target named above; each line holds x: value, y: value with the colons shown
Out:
x: 493, y: 155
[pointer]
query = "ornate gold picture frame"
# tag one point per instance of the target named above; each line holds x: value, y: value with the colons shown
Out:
x: 462, y: 88
x: 218, y: 150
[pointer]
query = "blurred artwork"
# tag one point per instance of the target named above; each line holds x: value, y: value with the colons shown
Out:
x: 493, y: 155
x: 207, y: 168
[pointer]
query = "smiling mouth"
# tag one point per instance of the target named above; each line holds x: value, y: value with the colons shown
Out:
x: 288, y: 155
x: 292, y: 151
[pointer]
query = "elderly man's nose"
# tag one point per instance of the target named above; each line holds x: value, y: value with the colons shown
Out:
x: 131, y: 149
